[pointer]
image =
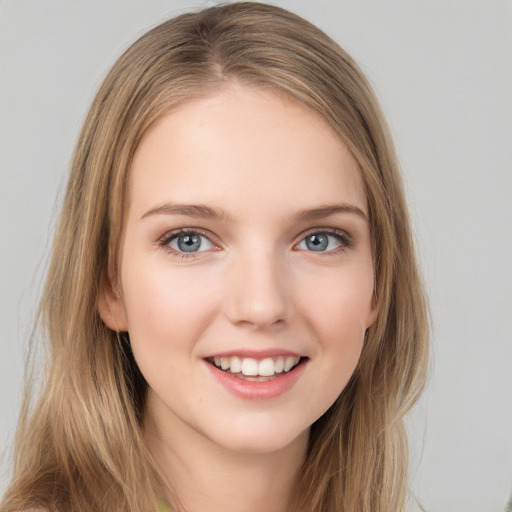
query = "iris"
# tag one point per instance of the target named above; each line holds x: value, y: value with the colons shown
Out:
x: 317, y: 242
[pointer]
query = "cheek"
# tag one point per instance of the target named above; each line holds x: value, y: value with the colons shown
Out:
x: 337, y: 310
x: 165, y: 310
x: 340, y: 302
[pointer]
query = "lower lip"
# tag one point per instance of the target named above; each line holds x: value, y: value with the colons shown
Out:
x: 254, y: 390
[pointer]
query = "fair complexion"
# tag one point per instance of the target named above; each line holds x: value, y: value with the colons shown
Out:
x: 246, y: 249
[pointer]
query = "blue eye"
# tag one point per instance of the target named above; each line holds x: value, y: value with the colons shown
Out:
x: 189, y: 242
x: 322, y: 241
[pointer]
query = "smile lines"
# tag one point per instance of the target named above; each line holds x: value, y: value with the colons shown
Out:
x: 250, y: 367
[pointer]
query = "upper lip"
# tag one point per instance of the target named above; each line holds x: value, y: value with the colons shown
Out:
x: 256, y: 354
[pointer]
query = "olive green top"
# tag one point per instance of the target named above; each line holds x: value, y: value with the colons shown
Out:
x: 163, y: 506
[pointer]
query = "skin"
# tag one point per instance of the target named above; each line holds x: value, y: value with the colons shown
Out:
x: 254, y: 285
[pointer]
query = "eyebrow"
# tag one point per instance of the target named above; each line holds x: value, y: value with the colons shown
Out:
x: 331, y: 209
x: 202, y: 211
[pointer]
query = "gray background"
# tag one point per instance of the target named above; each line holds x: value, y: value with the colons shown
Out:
x: 443, y: 71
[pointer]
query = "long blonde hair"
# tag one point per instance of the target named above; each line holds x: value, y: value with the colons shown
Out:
x: 80, y: 445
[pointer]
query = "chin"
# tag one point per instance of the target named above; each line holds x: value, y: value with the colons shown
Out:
x: 259, y: 438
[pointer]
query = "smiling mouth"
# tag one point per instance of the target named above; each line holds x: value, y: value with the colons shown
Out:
x: 250, y: 369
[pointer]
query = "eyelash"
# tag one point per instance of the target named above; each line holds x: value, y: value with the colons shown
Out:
x: 343, y: 238
x: 169, y: 237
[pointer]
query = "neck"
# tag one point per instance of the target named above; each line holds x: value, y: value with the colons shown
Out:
x: 202, y: 475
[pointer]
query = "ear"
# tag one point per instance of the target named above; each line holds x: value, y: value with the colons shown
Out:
x: 111, y: 306
x: 373, y: 312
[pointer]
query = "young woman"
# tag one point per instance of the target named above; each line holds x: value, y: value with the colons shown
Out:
x: 233, y: 309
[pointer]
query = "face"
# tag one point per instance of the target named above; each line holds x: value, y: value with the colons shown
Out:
x: 246, y: 275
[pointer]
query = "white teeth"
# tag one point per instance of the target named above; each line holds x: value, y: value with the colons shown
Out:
x: 235, y: 365
x: 250, y: 367
x: 290, y: 362
x: 266, y: 368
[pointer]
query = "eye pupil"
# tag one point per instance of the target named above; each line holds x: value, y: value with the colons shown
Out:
x: 317, y: 242
x: 189, y: 243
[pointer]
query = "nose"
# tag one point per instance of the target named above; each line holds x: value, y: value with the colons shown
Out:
x: 258, y: 291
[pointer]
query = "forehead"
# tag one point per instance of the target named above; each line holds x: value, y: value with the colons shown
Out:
x: 246, y: 146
